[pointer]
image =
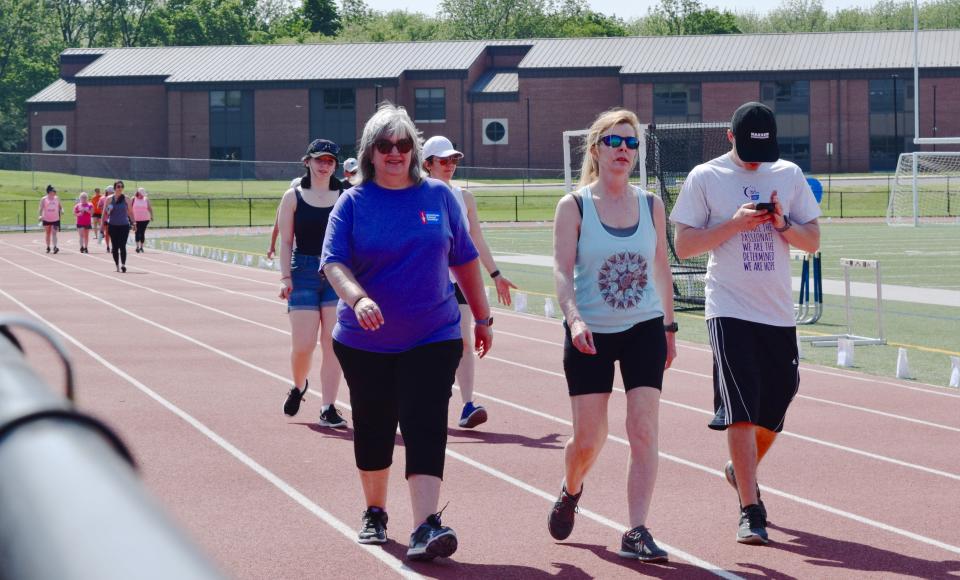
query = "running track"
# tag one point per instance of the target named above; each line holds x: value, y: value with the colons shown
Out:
x: 187, y: 359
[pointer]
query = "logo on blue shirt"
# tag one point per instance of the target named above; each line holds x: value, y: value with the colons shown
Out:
x: 429, y: 217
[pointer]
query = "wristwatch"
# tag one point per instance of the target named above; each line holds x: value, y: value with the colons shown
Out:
x: 483, y: 321
x: 786, y: 224
x: 672, y: 327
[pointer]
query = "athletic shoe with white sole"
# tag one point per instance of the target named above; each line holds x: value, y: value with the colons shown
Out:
x: 472, y: 415
x: 638, y: 544
x: 330, y: 417
x: 432, y: 540
x: 374, y: 530
x: 753, y: 526
x: 731, y: 478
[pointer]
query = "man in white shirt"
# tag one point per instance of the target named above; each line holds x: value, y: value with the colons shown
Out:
x: 747, y: 208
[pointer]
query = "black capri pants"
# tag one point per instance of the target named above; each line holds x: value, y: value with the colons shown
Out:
x: 140, y: 235
x: 410, y: 388
x: 119, y: 235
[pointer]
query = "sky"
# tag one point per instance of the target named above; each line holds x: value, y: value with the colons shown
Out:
x: 626, y: 9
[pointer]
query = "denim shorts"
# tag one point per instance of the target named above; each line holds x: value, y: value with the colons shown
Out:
x: 310, y: 287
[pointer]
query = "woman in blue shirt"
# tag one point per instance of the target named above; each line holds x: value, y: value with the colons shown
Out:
x: 389, y: 244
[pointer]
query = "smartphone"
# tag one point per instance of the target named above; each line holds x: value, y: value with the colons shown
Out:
x: 767, y: 205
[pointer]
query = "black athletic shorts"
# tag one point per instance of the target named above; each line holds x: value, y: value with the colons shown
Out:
x: 410, y: 388
x: 641, y: 351
x: 756, y: 372
x: 461, y: 299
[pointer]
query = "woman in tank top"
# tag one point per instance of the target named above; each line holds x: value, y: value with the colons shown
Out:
x: 311, y: 301
x: 83, y: 210
x: 615, y: 289
x: 50, y: 210
x: 118, y: 215
x: 440, y: 160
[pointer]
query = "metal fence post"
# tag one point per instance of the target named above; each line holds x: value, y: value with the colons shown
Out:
x: 168, y: 213
x: 841, y: 205
x: 516, y: 209
x: 250, y: 212
x: 24, y: 216
x: 208, y: 212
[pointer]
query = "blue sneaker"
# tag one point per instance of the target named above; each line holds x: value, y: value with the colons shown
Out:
x: 472, y: 415
x: 432, y: 540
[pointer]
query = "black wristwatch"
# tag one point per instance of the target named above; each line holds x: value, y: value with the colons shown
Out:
x: 786, y: 224
x: 672, y: 327
x: 483, y: 321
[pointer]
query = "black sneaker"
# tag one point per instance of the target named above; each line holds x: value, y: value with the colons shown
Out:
x: 123, y: 269
x: 374, y: 530
x: 292, y: 405
x: 753, y: 526
x: 731, y: 478
x: 639, y: 545
x: 561, y: 519
x: 432, y: 540
x: 56, y: 250
x: 330, y: 417
x: 48, y: 249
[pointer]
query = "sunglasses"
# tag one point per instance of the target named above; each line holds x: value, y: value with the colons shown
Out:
x: 616, y: 140
x: 385, y: 146
x: 444, y: 161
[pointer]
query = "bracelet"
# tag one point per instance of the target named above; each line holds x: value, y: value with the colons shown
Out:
x: 354, y: 307
x: 495, y: 273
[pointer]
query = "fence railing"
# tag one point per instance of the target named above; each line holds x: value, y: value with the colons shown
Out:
x: 212, y: 212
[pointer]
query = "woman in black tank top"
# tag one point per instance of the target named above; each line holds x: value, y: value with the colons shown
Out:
x: 311, y: 301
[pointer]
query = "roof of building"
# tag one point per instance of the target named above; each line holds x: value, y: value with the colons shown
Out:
x: 60, y: 91
x: 733, y: 53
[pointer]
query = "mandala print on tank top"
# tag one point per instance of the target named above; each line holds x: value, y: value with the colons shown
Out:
x: 623, y: 279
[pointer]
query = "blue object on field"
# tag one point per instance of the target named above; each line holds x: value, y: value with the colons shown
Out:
x: 810, y: 275
x: 816, y: 187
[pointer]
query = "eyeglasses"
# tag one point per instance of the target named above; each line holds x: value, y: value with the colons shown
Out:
x: 616, y: 140
x: 385, y: 146
x: 444, y: 161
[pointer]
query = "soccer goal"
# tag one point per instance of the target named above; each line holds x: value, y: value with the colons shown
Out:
x: 670, y: 152
x: 925, y: 189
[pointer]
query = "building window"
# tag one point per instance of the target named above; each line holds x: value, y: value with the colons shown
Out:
x: 430, y: 105
x: 891, y: 126
x: 676, y: 103
x: 333, y: 116
x: 790, y: 100
x: 231, y: 131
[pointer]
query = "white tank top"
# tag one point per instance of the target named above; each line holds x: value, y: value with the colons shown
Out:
x: 613, y: 276
x: 458, y: 195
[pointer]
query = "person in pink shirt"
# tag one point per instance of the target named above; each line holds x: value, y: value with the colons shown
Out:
x: 50, y: 211
x: 142, y: 214
x: 83, y: 210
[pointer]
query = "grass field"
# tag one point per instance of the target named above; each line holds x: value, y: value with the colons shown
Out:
x: 926, y: 257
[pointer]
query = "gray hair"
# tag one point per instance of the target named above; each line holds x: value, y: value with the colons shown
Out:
x: 389, y: 121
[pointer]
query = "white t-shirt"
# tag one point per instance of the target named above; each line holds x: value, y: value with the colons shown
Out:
x: 748, y: 275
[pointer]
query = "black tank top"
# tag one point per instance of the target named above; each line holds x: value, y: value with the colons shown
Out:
x: 309, y: 226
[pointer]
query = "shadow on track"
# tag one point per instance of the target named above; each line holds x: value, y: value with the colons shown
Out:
x: 551, y: 441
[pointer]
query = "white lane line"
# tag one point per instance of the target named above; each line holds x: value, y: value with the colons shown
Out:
x: 207, y: 271
x: 290, y: 491
x: 692, y: 559
x: 620, y: 440
x: 806, y: 438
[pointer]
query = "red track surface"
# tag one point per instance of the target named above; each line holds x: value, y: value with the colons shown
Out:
x: 188, y: 359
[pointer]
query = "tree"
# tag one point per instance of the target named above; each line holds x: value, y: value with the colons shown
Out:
x: 322, y: 16
x: 492, y: 19
x: 675, y: 17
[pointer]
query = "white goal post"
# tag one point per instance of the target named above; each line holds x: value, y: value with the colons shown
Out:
x: 925, y: 189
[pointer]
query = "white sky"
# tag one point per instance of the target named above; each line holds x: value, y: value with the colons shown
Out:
x: 625, y: 9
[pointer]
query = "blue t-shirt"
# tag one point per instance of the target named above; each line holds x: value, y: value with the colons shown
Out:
x: 399, y: 244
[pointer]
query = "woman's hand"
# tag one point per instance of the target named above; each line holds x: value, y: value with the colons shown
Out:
x: 503, y: 289
x: 671, y: 349
x: 581, y: 337
x: 368, y: 314
x: 482, y: 339
x: 286, y: 288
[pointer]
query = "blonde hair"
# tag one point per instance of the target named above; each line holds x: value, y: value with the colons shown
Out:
x: 590, y: 170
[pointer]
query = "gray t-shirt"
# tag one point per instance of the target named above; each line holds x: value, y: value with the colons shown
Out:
x: 748, y: 275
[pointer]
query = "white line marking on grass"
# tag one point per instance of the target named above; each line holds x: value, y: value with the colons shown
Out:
x: 290, y: 491
x: 283, y: 486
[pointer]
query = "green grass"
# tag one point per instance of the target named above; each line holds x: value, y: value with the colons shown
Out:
x: 922, y: 257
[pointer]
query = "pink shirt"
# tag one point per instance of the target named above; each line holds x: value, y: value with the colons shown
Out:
x: 50, y: 209
x: 141, y: 209
x: 84, y: 213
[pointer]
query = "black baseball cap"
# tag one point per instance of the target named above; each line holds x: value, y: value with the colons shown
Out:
x: 321, y: 148
x: 51, y: 188
x: 754, y: 129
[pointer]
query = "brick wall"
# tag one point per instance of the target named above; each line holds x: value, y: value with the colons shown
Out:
x: 720, y: 100
x: 281, y: 123
x: 40, y: 118
x: 855, y: 126
x: 122, y: 120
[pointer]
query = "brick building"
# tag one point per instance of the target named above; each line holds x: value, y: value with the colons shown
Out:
x: 504, y: 103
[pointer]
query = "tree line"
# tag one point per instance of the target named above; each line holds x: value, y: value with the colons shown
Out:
x: 34, y: 32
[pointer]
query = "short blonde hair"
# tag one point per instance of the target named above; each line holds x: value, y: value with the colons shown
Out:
x: 590, y: 170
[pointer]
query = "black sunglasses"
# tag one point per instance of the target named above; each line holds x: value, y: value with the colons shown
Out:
x: 385, y: 146
x: 616, y: 140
